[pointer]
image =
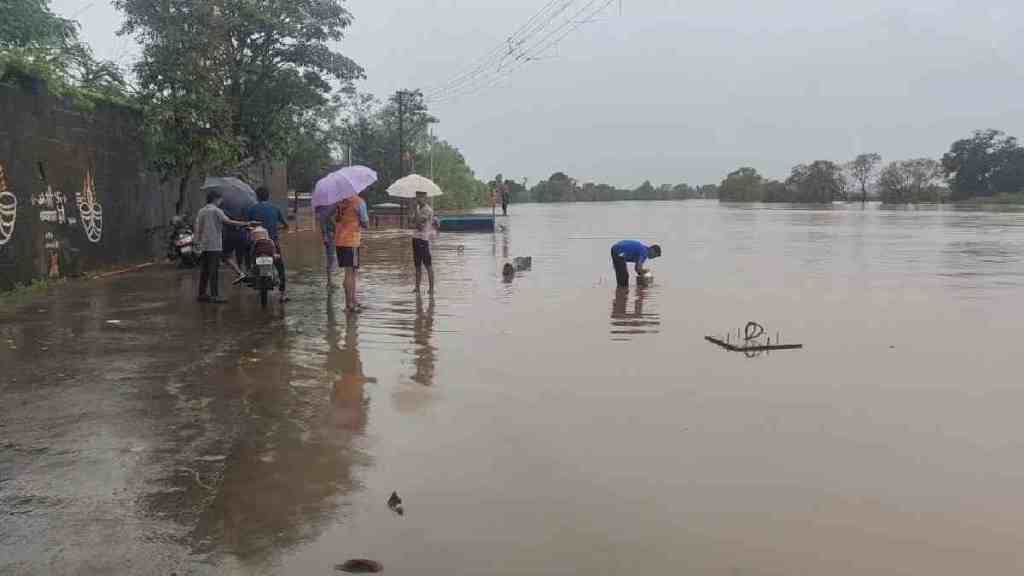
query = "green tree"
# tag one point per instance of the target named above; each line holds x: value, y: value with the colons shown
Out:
x: 987, y: 163
x: 741, y: 185
x: 645, y: 191
x: 908, y: 181
x: 775, y: 191
x: 820, y: 182
x: 862, y: 170
x: 29, y: 24
x: 462, y: 189
x: 37, y: 43
x: 225, y: 80
x: 405, y: 120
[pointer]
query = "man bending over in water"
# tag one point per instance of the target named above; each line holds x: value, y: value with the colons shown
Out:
x: 631, y: 251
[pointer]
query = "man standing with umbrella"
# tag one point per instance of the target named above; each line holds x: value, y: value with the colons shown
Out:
x: 423, y: 221
x: 209, y: 231
x: 350, y: 221
x: 423, y: 231
x: 237, y: 198
x: 327, y: 194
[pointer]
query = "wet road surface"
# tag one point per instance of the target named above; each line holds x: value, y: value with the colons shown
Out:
x: 551, y: 425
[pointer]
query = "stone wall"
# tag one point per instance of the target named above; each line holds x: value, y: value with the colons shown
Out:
x: 74, y: 192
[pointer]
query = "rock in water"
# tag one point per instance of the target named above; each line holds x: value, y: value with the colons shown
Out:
x: 359, y: 566
x: 395, y: 503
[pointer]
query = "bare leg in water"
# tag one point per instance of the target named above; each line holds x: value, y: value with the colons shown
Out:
x: 430, y: 278
x: 351, y: 277
x: 230, y: 261
x: 329, y: 262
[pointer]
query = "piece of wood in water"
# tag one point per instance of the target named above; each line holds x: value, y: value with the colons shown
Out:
x: 752, y: 348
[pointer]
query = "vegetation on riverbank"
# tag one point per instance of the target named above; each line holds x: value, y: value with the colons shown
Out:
x: 986, y: 168
x: 996, y: 200
x: 562, y: 188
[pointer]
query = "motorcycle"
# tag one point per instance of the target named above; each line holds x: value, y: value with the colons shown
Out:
x: 262, y: 275
x: 180, y: 245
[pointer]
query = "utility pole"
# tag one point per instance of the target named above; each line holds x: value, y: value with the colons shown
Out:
x: 400, y: 95
x: 431, y: 152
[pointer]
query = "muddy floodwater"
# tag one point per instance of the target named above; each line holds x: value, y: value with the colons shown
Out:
x: 549, y: 425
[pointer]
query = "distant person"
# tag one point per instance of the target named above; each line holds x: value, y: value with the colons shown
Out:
x: 350, y: 219
x: 506, y: 199
x: 270, y: 217
x: 631, y: 251
x: 424, y: 224
x: 209, y: 240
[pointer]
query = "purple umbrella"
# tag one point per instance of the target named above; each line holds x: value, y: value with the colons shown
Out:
x: 342, y: 184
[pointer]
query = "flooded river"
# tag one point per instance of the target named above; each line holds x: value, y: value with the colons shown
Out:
x: 549, y: 425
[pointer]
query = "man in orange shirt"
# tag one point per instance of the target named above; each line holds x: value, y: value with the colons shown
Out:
x: 350, y: 218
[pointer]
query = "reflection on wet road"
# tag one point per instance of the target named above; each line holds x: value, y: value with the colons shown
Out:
x: 627, y: 324
x: 547, y: 424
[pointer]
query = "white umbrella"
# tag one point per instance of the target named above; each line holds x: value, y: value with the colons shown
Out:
x: 408, y: 187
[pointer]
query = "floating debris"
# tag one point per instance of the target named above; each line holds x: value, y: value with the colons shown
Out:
x: 359, y: 566
x: 395, y: 503
x: 751, y: 341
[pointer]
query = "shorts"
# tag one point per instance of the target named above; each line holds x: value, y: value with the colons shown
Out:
x: 348, y: 257
x: 236, y: 244
x: 421, y: 253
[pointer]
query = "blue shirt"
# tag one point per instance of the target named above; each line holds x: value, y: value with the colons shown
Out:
x: 631, y: 251
x: 268, y: 215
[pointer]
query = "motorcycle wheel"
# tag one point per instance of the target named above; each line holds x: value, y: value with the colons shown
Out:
x: 264, y: 296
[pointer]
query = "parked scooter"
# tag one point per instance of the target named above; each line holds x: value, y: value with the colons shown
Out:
x: 180, y: 243
x: 262, y: 275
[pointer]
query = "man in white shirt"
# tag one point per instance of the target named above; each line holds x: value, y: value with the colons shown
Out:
x: 423, y: 230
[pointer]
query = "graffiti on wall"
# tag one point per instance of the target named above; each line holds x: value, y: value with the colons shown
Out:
x: 51, y: 203
x: 90, y: 212
x: 52, y: 246
x: 8, y: 209
x: 52, y: 206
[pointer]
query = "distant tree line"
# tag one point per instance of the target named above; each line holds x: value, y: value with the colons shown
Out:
x: 988, y: 165
x: 562, y: 188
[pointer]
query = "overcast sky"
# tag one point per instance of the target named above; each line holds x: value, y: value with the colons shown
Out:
x: 685, y: 90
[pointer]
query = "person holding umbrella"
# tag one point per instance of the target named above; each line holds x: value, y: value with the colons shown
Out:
x: 341, y: 223
x: 424, y: 223
x: 210, y: 221
x: 237, y: 198
x: 350, y: 220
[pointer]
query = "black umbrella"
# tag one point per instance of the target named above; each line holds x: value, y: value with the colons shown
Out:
x: 238, y: 196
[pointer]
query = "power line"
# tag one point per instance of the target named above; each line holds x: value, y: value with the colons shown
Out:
x: 507, y: 48
x: 498, y: 53
x: 532, y: 53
